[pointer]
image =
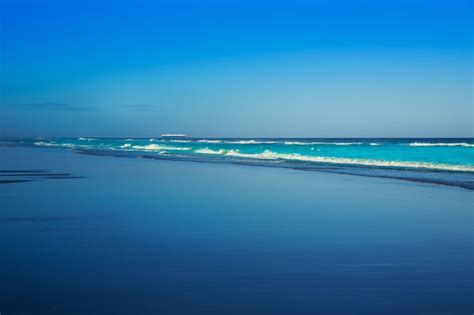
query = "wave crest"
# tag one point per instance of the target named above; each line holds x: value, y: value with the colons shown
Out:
x: 156, y: 147
x: 209, y: 151
x: 209, y: 141
x: 270, y: 155
x: 448, y: 144
x: 321, y: 143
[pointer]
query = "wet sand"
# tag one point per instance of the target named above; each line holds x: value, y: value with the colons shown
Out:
x: 138, y: 236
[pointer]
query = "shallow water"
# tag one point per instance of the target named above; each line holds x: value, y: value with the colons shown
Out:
x: 441, y: 161
x: 141, y: 236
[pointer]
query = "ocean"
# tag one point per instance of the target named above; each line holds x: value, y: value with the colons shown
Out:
x: 438, y: 161
x: 85, y: 231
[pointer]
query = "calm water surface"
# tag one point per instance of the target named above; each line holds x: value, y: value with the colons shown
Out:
x: 136, y: 236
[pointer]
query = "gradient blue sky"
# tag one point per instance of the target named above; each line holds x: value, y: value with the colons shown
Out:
x: 379, y: 68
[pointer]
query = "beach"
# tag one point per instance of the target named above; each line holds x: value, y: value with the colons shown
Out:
x: 110, y: 235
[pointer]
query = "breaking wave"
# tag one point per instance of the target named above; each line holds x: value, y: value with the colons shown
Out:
x: 209, y: 141
x: 209, y: 151
x: 449, y: 161
x: 156, y: 147
x: 448, y: 144
x: 180, y: 141
x: 321, y: 143
x: 54, y: 144
x: 251, y: 142
x: 374, y: 157
x: 269, y: 155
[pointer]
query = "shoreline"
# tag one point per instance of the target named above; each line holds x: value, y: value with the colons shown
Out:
x: 324, y: 169
x: 431, y: 161
x: 335, y: 169
x: 220, y: 239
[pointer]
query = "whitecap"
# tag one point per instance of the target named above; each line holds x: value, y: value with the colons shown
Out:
x: 269, y: 155
x: 209, y: 141
x: 53, y: 144
x: 45, y: 144
x: 321, y: 143
x: 251, y: 142
x: 440, y: 144
x: 156, y: 147
x: 209, y: 151
x: 180, y: 141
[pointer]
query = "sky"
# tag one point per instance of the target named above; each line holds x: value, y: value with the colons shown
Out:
x: 321, y: 68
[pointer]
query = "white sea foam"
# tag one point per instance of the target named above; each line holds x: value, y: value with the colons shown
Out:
x: 54, y: 144
x: 374, y: 144
x: 209, y: 141
x: 245, y: 155
x: 156, y: 147
x: 244, y: 142
x: 180, y: 141
x: 321, y: 143
x: 448, y: 144
x: 295, y: 143
x: 86, y: 139
x: 339, y: 143
x: 46, y: 144
x: 269, y: 155
x: 209, y: 151
x: 178, y: 149
x: 126, y: 145
x: 237, y: 141
x: 251, y: 142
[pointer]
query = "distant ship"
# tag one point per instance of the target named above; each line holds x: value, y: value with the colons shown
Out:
x: 173, y: 136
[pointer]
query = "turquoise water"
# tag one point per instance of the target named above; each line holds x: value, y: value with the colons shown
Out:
x: 443, y: 161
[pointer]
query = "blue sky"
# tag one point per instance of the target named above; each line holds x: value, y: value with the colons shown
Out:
x: 372, y: 68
